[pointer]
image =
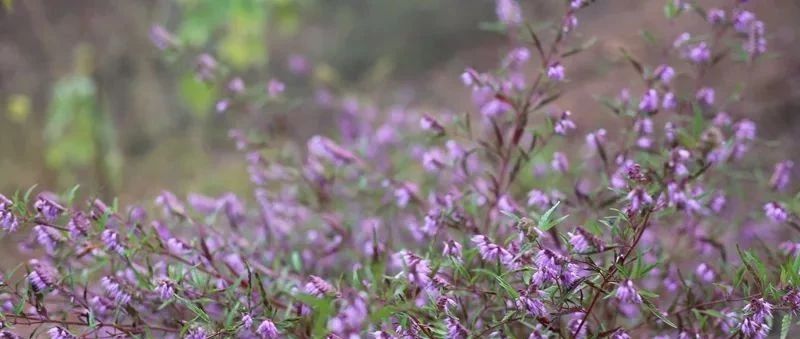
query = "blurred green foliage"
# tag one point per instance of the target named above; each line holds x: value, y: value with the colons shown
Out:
x: 238, y: 25
x: 123, y: 103
x: 78, y: 134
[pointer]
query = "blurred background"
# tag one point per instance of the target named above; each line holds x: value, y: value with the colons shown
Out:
x: 87, y: 98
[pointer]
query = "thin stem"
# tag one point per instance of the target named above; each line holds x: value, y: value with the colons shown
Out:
x: 613, y: 269
x: 127, y: 329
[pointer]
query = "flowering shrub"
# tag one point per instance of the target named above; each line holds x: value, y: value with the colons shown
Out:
x: 411, y: 224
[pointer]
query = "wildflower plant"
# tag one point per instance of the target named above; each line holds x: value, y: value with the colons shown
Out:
x: 502, y: 221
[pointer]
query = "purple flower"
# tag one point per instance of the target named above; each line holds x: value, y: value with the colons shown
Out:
x: 564, y: 124
x: 745, y: 130
x: 776, y: 212
x: 756, y: 43
x: 624, y: 96
x: 669, y: 102
x: 548, y: 265
x: 111, y: 241
x: 170, y: 203
x: 757, y: 315
x: 753, y: 329
x: 452, y: 249
x: 507, y: 204
x: 267, y: 330
x: 236, y: 85
x: 578, y: 242
x: 433, y: 160
x: 454, y: 329
x: 233, y: 207
x: 627, y: 293
x: 402, y: 196
x: 574, y: 322
x: 432, y: 222
x: 570, y: 22
x: 792, y: 300
x: 222, y: 105
x: 495, y: 107
x: 48, y: 238
x: 699, y: 53
x: 539, y: 199
x: 8, y: 221
x: 517, y: 57
x: 205, y: 67
x: 381, y: 335
x: 428, y: 123
x: 60, y: 333
x: 454, y: 150
x: 664, y: 73
x: 718, y: 202
x: 790, y: 248
x: 670, y: 132
x: 643, y: 126
x: 490, y: 251
x: 115, y: 291
x: 681, y: 40
x: 417, y: 269
x: 742, y: 20
x: 48, y: 209
x: 197, y: 333
x: 79, y: 225
x: 722, y: 119
x: 706, y: 96
x: 705, y: 273
x: 41, y: 276
x: 176, y: 246
x: 298, y: 64
x: 247, y: 321
x: 759, y: 309
x: 596, y: 139
x: 620, y: 334
x: 509, y: 12
x: 716, y: 16
x: 560, y: 163
x: 555, y: 71
x: 323, y: 147
x: 318, y: 287
x: 161, y: 38
x: 781, y: 176
x: 165, y: 289
x: 470, y: 77
x: 275, y: 87
x: 639, y: 198
x: 533, y: 306
x: 201, y: 203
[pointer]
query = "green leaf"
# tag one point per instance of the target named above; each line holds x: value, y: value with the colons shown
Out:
x: 500, y: 280
x: 698, y: 123
x: 195, y: 309
x: 8, y: 5
x: 297, y: 262
x: 652, y: 308
x: 786, y: 323
x: 323, y: 310
x: 544, y: 220
x: 382, y: 314
x: 649, y: 37
x: 670, y: 9
x: 510, y: 215
x: 71, y: 194
x: 26, y: 197
x: 197, y: 95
